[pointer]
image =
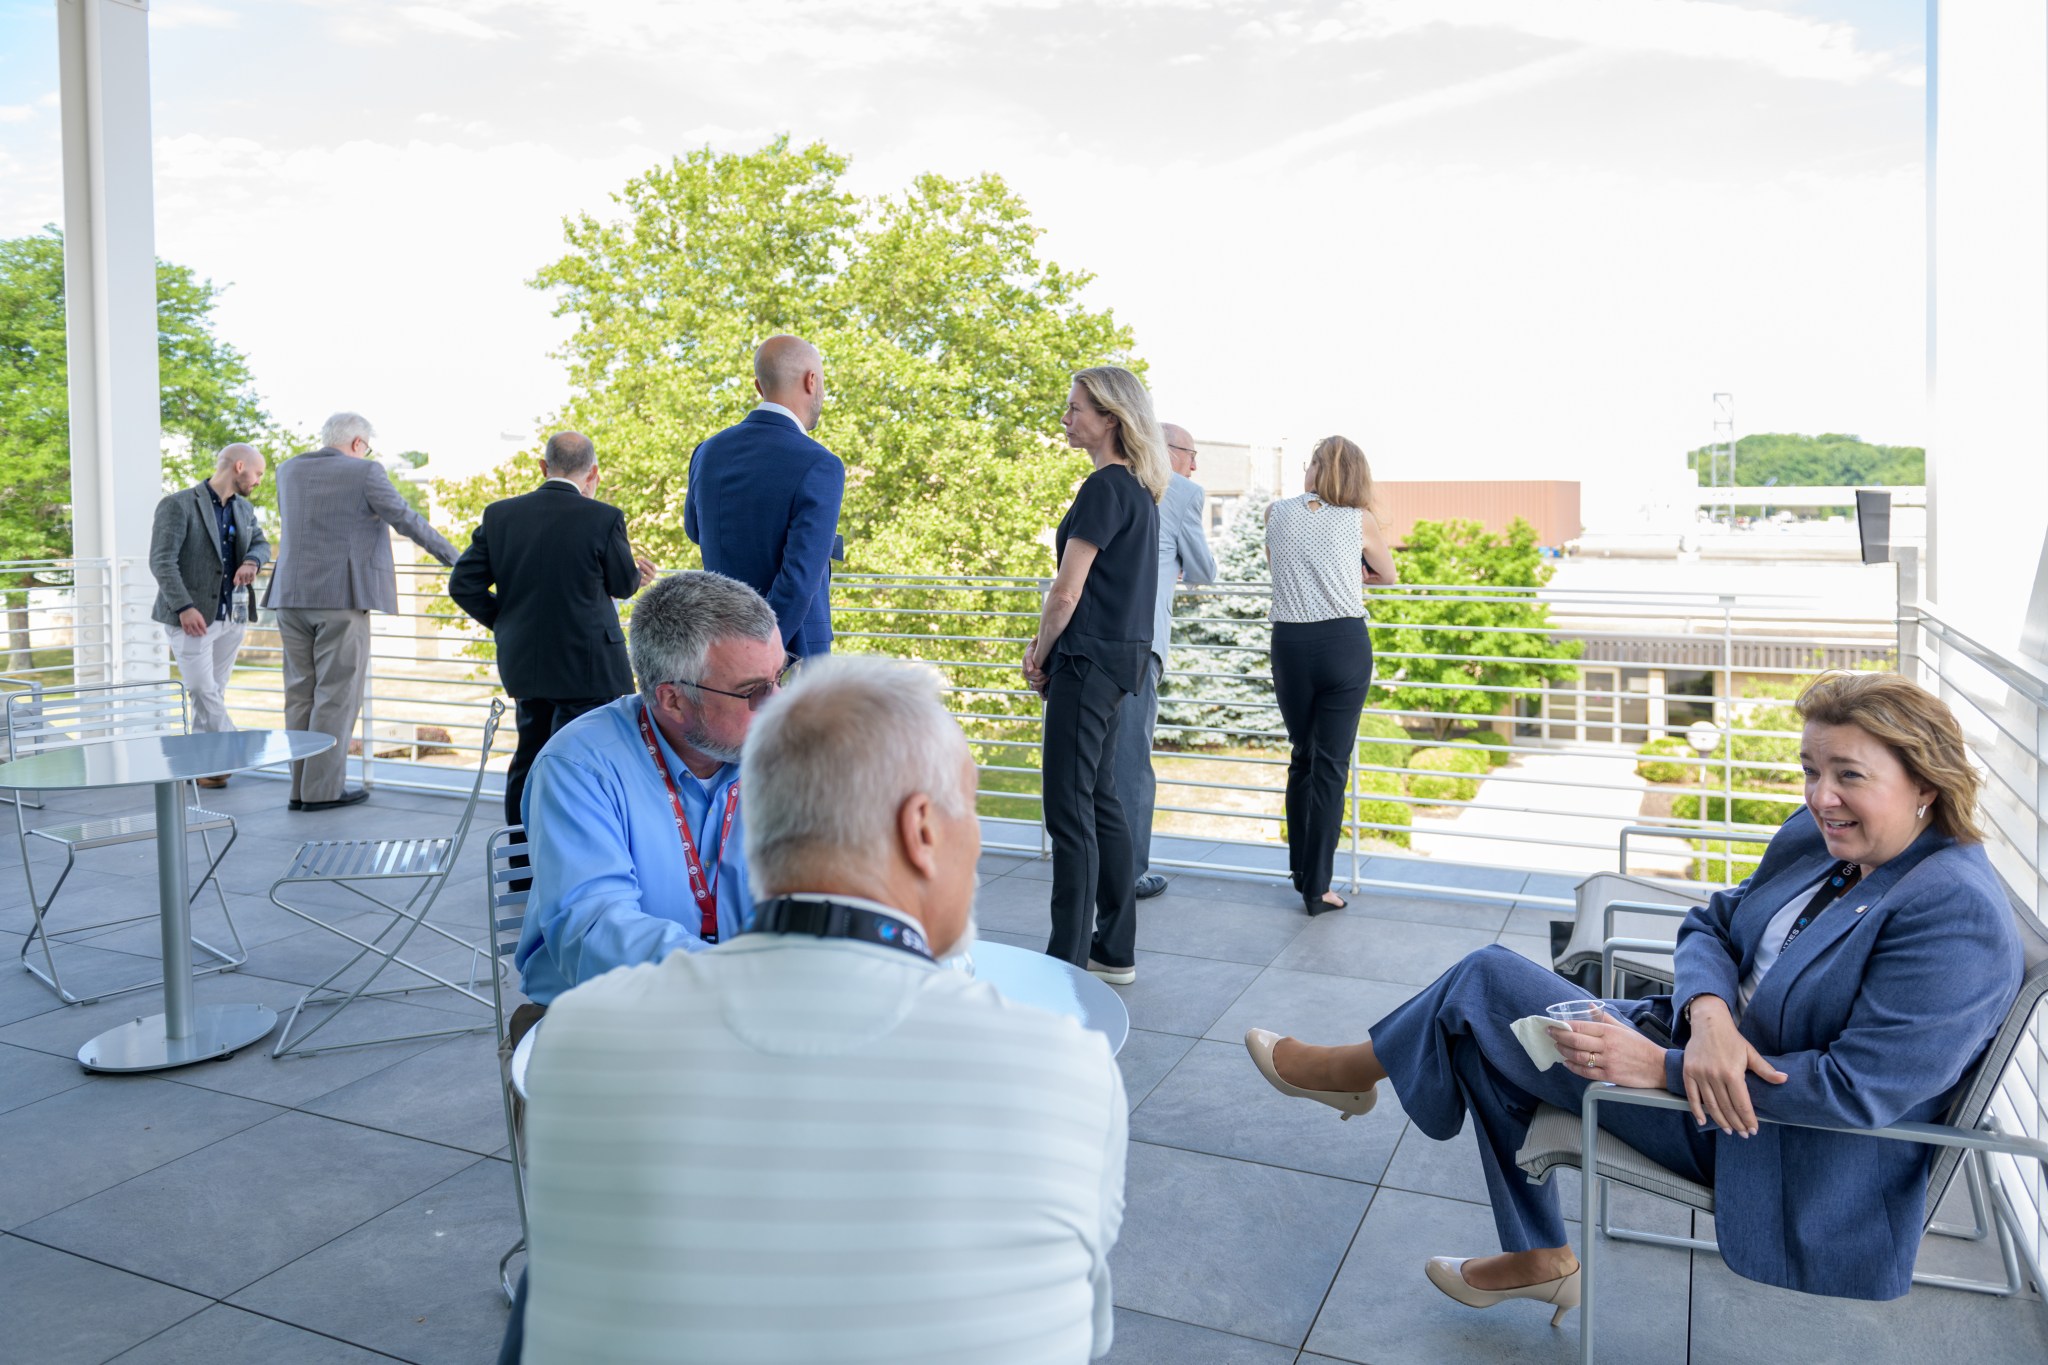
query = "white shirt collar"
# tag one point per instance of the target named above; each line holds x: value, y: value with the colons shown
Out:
x: 765, y: 406
x: 557, y: 478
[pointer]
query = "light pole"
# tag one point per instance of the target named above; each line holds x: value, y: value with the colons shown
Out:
x: 1705, y: 737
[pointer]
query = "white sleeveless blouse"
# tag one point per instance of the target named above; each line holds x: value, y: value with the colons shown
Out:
x: 1314, y: 549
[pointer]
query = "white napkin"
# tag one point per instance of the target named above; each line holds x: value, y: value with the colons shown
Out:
x: 1533, y: 1032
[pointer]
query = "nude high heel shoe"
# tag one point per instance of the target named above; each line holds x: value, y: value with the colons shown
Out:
x: 1448, y: 1274
x: 1259, y: 1042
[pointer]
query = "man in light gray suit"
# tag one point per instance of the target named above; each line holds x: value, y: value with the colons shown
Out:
x: 1184, y: 557
x: 338, y: 509
x: 204, y: 543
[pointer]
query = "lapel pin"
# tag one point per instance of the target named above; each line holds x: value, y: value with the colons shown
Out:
x: 1861, y: 908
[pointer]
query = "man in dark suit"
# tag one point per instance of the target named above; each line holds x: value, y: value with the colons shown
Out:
x: 763, y: 500
x: 556, y: 557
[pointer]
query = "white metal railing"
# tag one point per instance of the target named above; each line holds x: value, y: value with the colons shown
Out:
x: 2001, y: 699
x: 975, y: 629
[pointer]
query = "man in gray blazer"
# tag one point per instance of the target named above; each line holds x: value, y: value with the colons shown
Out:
x: 338, y: 509
x: 1184, y: 557
x: 204, y: 543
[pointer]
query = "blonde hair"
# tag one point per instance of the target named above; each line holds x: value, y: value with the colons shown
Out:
x: 1916, y: 726
x: 1338, y: 473
x: 1122, y: 395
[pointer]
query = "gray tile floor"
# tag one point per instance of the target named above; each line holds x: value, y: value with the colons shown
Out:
x: 351, y: 1207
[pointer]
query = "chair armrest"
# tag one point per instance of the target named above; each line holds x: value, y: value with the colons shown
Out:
x: 1932, y: 1134
x: 1758, y: 834
x: 1639, y: 908
x: 1634, y: 945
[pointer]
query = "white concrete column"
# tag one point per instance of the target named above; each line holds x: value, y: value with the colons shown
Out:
x: 110, y: 320
x: 1987, y: 462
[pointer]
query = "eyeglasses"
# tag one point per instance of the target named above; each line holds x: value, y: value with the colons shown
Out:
x: 1185, y: 450
x: 759, y: 692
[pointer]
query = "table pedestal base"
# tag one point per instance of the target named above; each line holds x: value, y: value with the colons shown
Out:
x: 142, y: 1045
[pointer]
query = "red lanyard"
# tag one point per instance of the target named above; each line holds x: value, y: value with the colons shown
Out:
x: 705, y: 889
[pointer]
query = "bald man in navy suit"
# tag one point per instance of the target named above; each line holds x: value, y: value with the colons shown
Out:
x: 763, y: 500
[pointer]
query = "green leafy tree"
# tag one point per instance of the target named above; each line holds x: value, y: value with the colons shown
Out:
x: 1830, y: 460
x: 949, y: 345
x: 208, y: 400
x: 1434, y: 645
x: 1224, y: 690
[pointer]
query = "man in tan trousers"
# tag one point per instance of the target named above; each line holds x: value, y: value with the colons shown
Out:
x: 337, y: 508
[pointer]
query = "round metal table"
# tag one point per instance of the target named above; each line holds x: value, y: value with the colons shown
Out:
x: 184, y: 1033
x: 1017, y: 974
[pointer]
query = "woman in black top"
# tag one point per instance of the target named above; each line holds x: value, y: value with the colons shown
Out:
x: 1094, y: 641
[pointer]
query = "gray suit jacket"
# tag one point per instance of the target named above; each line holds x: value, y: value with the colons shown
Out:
x: 1184, y: 555
x: 338, y: 513
x: 184, y: 551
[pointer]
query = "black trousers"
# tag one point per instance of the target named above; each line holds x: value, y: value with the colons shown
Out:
x: 1321, y: 670
x: 538, y: 718
x: 1094, y: 900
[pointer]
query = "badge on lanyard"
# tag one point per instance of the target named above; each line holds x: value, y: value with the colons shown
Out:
x: 704, y: 888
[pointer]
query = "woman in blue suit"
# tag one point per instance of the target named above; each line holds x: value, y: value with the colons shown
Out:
x: 1852, y: 981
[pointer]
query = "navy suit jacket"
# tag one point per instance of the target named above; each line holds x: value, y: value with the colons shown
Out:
x: 763, y: 505
x: 1875, y: 1013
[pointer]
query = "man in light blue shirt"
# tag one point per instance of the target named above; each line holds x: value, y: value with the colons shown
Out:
x: 616, y: 881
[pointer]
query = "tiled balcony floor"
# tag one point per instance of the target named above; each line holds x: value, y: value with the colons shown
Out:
x: 351, y: 1207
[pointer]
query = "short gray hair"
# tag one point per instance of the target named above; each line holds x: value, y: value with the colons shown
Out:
x: 679, y: 619
x: 570, y: 452
x: 828, y: 764
x: 341, y: 430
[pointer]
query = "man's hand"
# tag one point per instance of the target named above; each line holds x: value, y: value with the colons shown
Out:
x: 245, y: 575
x: 1718, y: 1064
x: 648, y: 572
x: 1610, y: 1052
x: 191, y: 622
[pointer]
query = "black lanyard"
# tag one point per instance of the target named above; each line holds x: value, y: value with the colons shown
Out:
x: 1845, y: 875
x: 831, y: 919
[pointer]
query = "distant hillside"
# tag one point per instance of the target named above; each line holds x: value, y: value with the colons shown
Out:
x: 1809, y: 461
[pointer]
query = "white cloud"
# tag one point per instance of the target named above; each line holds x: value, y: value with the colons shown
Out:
x: 189, y: 14
x: 411, y: 306
x: 16, y: 113
x: 453, y: 23
x: 1806, y: 49
x: 1461, y: 95
x: 1484, y: 237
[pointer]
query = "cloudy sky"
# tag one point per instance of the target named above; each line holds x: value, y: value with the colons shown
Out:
x: 1489, y: 238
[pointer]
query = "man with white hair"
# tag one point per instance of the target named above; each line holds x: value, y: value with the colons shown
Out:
x: 337, y: 509
x: 632, y: 810
x: 813, y: 1145
x: 204, y: 543
x: 1184, y: 557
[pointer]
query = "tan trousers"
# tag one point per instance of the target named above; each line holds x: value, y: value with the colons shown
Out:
x: 326, y: 656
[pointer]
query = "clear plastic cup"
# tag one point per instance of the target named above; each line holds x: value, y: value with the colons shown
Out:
x: 1570, y: 1012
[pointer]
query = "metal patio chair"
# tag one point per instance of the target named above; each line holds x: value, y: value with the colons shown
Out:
x: 504, y: 920
x: 1965, y: 1141
x: 351, y: 864
x: 1644, y: 912
x: 31, y: 703
x: 41, y: 719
